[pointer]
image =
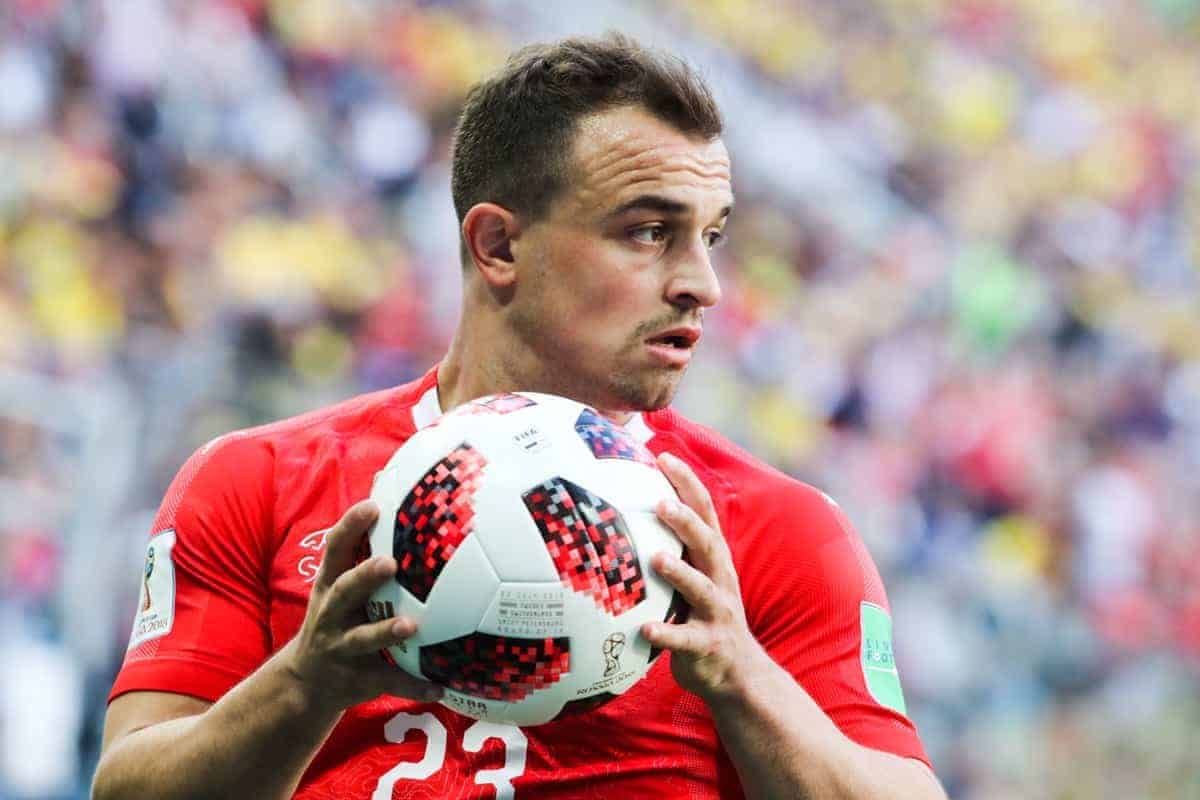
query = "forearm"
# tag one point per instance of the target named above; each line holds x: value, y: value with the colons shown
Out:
x: 784, y: 746
x: 256, y: 741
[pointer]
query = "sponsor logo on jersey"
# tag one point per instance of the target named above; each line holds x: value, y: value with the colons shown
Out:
x: 156, y: 603
x: 878, y: 660
x: 614, y: 645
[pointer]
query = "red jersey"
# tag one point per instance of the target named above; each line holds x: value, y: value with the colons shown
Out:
x: 237, y: 542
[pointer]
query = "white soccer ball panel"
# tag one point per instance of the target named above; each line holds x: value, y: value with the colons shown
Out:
x: 507, y: 532
x: 630, y: 485
x: 460, y: 596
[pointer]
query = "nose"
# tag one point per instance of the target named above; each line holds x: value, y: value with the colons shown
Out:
x: 693, y: 282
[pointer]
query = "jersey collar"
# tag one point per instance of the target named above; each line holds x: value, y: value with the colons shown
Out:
x: 429, y: 408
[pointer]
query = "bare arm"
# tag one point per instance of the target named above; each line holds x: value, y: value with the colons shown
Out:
x: 784, y: 745
x: 258, y: 739
x: 781, y: 742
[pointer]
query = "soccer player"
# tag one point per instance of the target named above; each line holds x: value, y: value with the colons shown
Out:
x: 591, y: 182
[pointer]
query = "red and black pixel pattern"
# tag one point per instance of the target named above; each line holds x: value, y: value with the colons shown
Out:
x: 496, y: 667
x: 504, y: 403
x: 434, y: 519
x: 492, y: 404
x: 607, y: 440
x: 589, y: 543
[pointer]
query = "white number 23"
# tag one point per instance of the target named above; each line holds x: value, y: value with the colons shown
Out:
x: 435, y: 753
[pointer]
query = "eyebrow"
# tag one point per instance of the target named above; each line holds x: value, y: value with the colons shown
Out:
x: 656, y: 202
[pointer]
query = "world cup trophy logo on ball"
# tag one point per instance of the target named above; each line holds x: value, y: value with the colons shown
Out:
x: 613, y: 647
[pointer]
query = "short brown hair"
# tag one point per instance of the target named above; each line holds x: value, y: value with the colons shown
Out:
x: 513, y: 141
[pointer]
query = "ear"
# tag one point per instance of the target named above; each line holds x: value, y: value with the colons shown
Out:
x: 488, y: 231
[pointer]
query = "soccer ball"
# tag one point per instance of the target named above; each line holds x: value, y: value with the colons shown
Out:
x: 523, y: 526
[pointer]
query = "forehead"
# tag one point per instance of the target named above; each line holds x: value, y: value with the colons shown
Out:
x: 625, y: 152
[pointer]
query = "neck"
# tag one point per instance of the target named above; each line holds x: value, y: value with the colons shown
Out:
x: 473, y: 368
x: 479, y: 362
x: 462, y: 374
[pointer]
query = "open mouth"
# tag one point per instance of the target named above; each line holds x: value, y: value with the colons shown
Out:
x: 678, y: 342
x: 676, y: 338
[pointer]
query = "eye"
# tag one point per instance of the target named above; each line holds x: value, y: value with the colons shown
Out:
x: 649, y: 234
x: 714, y: 239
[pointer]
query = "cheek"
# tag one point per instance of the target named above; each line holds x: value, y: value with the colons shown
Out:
x: 615, y: 278
x: 599, y: 289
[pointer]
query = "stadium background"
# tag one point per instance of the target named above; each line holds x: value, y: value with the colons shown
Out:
x: 961, y: 296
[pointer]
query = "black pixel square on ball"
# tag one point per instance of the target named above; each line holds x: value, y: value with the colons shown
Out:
x: 435, y: 518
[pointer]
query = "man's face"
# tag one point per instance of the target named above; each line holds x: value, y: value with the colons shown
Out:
x: 613, y: 281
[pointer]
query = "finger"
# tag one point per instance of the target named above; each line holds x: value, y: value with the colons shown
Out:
x: 386, y: 679
x: 705, y: 547
x: 688, y: 639
x: 372, y: 636
x: 342, y: 541
x: 691, y: 491
x: 698, y: 589
x: 353, y: 588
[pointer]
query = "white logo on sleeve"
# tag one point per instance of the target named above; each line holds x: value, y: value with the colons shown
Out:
x: 156, y: 601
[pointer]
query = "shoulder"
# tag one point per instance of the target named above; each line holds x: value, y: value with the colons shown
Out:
x: 750, y: 487
x: 239, y: 468
x: 348, y: 417
x: 787, y: 538
x: 390, y: 408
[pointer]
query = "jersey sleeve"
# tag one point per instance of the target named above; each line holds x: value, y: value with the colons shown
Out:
x: 202, y: 623
x: 815, y: 601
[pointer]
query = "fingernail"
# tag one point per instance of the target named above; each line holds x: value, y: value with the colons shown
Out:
x: 402, y: 628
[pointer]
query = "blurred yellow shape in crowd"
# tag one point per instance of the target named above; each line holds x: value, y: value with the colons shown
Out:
x: 68, y: 305
x: 1073, y: 40
x: 768, y: 285
x: 1172, y: 77
x: 322, y: 354
x: 449, y: 55
x: 781, y: 38
x: 326, y: 26
x: 276, y: 261
x: 1017, y: 548
x: 977, y: 106
x: 784, y: 430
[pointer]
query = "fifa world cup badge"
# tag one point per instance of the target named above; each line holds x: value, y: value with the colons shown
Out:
x: 156, y: 611
x: 146, y: 578
x: 613, y: 647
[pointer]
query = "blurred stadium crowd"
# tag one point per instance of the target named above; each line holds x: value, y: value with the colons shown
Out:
x: 961, y: 296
